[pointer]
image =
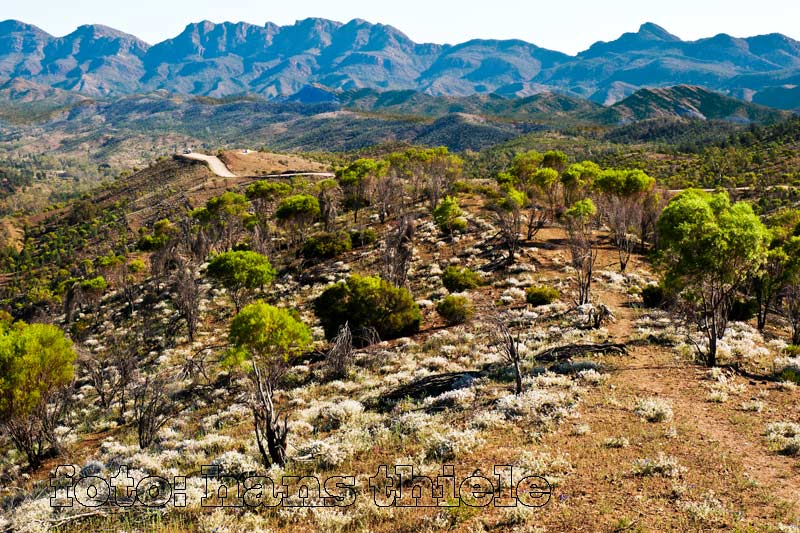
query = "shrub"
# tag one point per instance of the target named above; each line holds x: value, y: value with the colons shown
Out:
x: 455, y: 309
x: 95, y: 285
x: 788, y: 368
x: 267, y: 190
x: 448, y: 216
x: 368, y: 303
x: 327, y: 245
x: 457, y: 279
x: 136, y: 266
x: 163, y: 230
x: 662, y: 465
x: 784, y: 437
x: 653, y: 296
x: 363, y: 237
x: 541, y: 295
x: 460, y: 186
x: 653, y: 410
x: 297, y: 213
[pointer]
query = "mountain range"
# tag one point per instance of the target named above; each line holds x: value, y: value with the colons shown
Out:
x: 271, y: 61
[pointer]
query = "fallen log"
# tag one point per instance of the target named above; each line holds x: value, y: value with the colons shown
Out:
x: 571, y: 351
x: 429, y: 386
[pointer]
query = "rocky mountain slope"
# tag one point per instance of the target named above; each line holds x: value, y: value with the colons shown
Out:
x: 278, y: 61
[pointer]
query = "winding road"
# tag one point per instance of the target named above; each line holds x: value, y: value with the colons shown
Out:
x: 214, y: 163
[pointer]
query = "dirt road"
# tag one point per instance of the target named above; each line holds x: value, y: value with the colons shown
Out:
x: 214, y: 163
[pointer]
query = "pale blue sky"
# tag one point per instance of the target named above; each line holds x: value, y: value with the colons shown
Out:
x: 565, y: 25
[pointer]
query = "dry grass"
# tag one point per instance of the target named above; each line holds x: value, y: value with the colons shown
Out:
x: 634, y: 446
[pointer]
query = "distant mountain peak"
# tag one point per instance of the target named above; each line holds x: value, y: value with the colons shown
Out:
x: 654, y: 30
x: 231, y: 58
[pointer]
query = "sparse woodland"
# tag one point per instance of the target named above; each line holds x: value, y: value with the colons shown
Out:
x: 637, y: 347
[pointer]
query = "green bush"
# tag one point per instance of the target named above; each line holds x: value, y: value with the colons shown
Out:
x: 97, y: 284
x: 363, y: 237
x: 789, y: 374
x: 653, y: 296
x: 163, y: 230
x: 457, y: 279
x: 327, y: 245
x: 460, y: 186
x: 541, y: 295
x: 448, y: 216
x: 367, y: 303
x: 455, y: 309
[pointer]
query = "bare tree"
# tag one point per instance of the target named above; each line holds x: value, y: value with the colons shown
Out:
x: 152, y: 408
x: 624, y: 215
x: 791, y: 305
x: 187, y: 295
x: 507, y: 216
x: 271, y: 425
x: 102, y: 375
x: 398, y: 251
x: 35, y: 433
x: 329, y: 196
x: 388, y: 196
x: 582, y: 245
x: 508, y: 344
x: 340, y: 356
x: 123, y: 358
x: 537, y: 218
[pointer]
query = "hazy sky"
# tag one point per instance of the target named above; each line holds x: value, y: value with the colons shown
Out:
x: 565, y: 25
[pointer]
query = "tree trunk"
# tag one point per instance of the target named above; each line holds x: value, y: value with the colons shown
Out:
x: 518, y: 376
x: 711, y: 357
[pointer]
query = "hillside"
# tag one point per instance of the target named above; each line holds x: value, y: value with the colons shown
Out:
x: 273, y: 61
x: 625, y: 427
x: 689, y: 102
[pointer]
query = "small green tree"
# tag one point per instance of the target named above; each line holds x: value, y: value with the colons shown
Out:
x: 358, y: 180
x: 432, y: 171
x: 36, y: 366
x: 578, y: 178
x: 709, y: 248
x: 264, y: 338
x: 163, y: 231
x: 448, y: 217
x: 223, y: 218
x: 555, y: 159
x: 523, y: 174
x: 368, y: 304
x: 506, y: 213
x: 547, y: 182
x: 298, y: 213
x: 241, y: 273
